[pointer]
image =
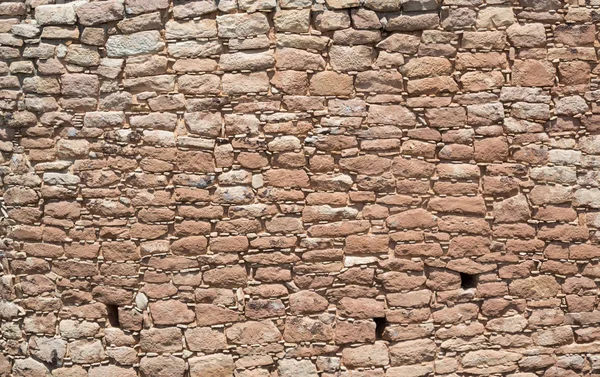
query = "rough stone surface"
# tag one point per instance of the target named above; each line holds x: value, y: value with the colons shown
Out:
x: 299, y: 188
x: 143, y: 42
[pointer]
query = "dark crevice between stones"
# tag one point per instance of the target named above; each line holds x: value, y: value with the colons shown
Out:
x: 380, y: 324
x: 113, y: 315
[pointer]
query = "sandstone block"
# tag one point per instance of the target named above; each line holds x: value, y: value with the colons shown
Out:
x: 163, y: 366
x: 171, y: 312
x: 329, y: 83
x: 194, y: 49
x: 242, y: 25
x: 253, y: 333
x: 298, y: 60
x: 535, y: 287
x: 242, y: 83
x: 142, y: 6
x: 291, y: 367
x: 205, y: 339
x: 494, y: 17
x: 144, y: 42
x: 100, y: 12
x: 59, y: 14
x: 211, y: 365
x: 368, y: 355
x: 527, y: 36
x: 190, y: 9
x: 533, y: 73
x: 351, y: 58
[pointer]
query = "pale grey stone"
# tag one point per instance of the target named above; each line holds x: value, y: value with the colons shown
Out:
x: 242, y: 25
x: 295, y: 368
x: 193, y: 8
x: 57, y: 14
x: 49, y: 350
x: 194, y: 49
x: 144, y: 42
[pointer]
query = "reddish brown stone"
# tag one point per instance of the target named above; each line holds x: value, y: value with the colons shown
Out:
x: 255, y: 188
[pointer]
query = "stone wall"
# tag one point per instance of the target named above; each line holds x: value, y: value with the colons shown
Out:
x: 262, y: 188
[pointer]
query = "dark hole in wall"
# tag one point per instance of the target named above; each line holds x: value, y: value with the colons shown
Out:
x: 54, y: 359
x: 468, y: 281
x: 113, y: 315
x: 380, y: 323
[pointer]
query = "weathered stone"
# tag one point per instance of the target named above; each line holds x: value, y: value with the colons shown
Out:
x: 141, y: 23
x: 494, y: 17
x: 85, y: 351
x: 535, y: 287
x: 161, y: 340
x: 242, y: 83
x: 60, y: 14
x: 294, y: 21
x: 412, y: 352
x: 163, y: 366
x: 297, y: 59
x: 100, y: 12
x: 367, y: 355
x: 458, y: 18
x: 217, y: 365
x: 426, y: 67
x: 205, y: 339
x: 80, y: 85
x: 142, y: 6
x: 253, y: 333
x: 194, y: 49
x: 576, y: 35
x: 171, y: 312
x: 412, y: 21
x: 194, y: 8
x: 144, y: 42
x: 493, y: 360
x: 527, y: 36
x: 48, y: 350
x: 29, y: 367
x: 331, y: 84
x: 533, y: 73
x: 242, y: 25
x: 379, y: 82
x: 246, y: 61
x: 306, y: 329
x: 351, y: 58
x: 304, y: 302
x: 291, y: 367
x: 82, y: 55
x: 332, y: 20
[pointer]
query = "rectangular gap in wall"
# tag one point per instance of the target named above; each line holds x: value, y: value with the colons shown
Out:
x: 380, y: 323
x: 113, y: 315
x: 468, y: 281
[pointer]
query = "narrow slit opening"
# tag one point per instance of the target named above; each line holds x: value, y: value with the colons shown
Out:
x: 380, y: 323
x: 113, y: 315
x: 468, y: 281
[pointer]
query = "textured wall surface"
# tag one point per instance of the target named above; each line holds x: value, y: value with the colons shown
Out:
x: 291, y: 188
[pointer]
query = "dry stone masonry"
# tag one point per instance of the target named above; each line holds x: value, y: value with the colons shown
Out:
x: 299, y: 188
